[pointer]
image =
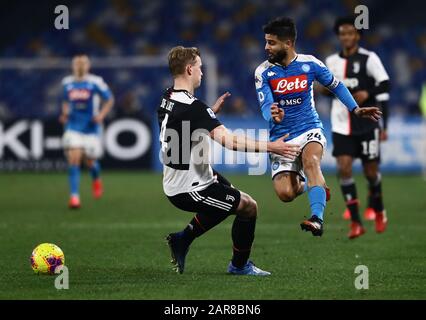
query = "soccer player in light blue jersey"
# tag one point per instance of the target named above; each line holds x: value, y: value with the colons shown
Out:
x: 284, y: 85
x: 86, y: 101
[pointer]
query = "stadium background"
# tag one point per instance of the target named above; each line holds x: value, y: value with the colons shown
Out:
x: 127, y: 41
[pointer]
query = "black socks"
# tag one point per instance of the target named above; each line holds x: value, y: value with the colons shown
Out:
x: 242, y: 237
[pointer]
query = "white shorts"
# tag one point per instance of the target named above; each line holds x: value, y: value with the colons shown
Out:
x: 90, y: 143
x: 281, y: 164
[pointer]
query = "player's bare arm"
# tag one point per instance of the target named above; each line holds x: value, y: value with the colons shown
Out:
x: 65, y: 112
x: 233, y: 142
x: 106, y: 108
x: 220, y: 102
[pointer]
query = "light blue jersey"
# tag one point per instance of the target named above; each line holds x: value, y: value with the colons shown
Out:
x: 292, y: 88
x: 84, y: 98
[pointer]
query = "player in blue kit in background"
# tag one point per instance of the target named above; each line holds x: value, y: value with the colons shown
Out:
x: 284, y: 85
x: 82, y: 118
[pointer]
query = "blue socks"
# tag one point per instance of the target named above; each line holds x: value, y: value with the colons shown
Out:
x: 317, y: 197
x: 95, y: 170
x: 74, y: 179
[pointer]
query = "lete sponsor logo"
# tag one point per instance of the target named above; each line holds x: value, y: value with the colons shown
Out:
x: 290, y: 84
x: 78, y: 94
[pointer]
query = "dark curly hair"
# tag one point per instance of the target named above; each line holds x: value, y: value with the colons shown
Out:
x: 345, y: 20
x: 283, y: 27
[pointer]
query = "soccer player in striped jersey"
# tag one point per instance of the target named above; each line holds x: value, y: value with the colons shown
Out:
x: 363, y: 73
x: 189, y: 181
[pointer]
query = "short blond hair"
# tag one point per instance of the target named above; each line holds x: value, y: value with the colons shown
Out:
x: 180, y: 57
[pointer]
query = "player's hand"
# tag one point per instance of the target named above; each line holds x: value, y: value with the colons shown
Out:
x: 372, y: 113
x: 219, y: 102
x: 63, y: 118
x: 98, y: 118
x: 383, y: 135
x: 277, y: 113
x: 360, y: 96
x: 284, y: 149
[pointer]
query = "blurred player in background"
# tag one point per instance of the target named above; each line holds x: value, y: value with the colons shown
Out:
x: 284, y: 85
x: 363, y: 73
x: 190, y: 183
x: 82, y: 116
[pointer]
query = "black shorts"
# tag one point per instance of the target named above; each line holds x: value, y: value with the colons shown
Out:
x: 220, y: 197
x: 365, y: 146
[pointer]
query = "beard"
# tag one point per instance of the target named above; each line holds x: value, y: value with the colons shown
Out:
x: 277, y: 57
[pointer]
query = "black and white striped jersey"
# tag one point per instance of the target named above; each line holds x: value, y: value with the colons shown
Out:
x: 185, y: 123
x: 360, y: 71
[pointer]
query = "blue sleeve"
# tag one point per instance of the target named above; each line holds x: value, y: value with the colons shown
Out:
x: 343, y: 94
x: 102, y: 89
x: 64, y: 94
x: 264, y: 95
x: 324, y: 76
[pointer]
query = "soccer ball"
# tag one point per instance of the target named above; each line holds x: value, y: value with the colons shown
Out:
x: 46, y: 257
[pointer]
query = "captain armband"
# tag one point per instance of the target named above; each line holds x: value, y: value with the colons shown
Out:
x: 334, y: 83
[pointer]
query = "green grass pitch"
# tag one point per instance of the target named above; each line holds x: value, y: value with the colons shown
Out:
x: 115, y: 249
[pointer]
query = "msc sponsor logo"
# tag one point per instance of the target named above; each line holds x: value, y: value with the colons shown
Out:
x: 291, y: 102
x: 290, y: 84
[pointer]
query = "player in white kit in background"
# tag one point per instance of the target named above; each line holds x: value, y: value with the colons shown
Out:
x: 363, y: 73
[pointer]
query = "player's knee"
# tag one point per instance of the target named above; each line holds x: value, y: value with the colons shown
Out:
x: 74, y: 161
x: 372, y: 178
x: 90, y: 163
x: 74, y: 158
x: 247, y: 207
x: 311, y: 163
x: 345, y: 172
x: 253, y: 208
x: 286, y: 194
x: 371, y: 174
